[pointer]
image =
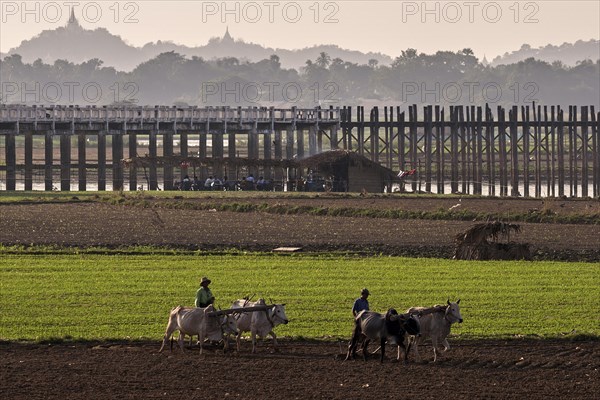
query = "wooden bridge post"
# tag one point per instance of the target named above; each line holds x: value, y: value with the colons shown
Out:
x: 48, y: 160
x: 596, y: 150
x: 428, y: 137
x: 413, y: 147
x: 584, y: 151
x: 132, y: 148
x: 502, y: 151
x: 102, y: 160
x: 10, y: 151
x: 491, y: 150
x: 347, y: 130
x: 29, y: 160
x: 360, y: 114
x: 440, y: 148
x: 333, y: 131
x: 454, y: 149
x: 184, y: 149
x: 202, y: 147
x: 81, y: 162
x: 374, y: 133
x: 561, y: 152
x: 479, y: 152
x: 65, y: 162
x: 462, y: 150
x: 268, y: 145
x: 312, y: 140
x: 572, y: 151
x: 168, y: 176
x: 401, y: 141
x: 537, y: 146
x: 153, y: 152
x: 514, y: 150
x: 525, y: 150
x: 117, y: 156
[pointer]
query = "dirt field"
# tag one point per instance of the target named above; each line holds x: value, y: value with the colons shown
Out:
x: 301, y: 370
x: 519, y: 369
x: 100, y: 224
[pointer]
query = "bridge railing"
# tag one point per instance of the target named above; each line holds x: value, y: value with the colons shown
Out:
x: 68, y: 113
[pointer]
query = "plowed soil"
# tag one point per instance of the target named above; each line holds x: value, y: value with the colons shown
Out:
x: 300, y: 370
x: 101, y: 224
x: 516, y: 369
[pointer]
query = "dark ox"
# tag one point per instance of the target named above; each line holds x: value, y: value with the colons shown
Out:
x: 388, y: 327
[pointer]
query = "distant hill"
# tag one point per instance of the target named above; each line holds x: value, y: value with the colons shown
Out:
x: 73, y: 43
x: 568, y: 53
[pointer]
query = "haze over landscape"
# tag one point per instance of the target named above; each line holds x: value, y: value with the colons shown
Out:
x: 422, y: 52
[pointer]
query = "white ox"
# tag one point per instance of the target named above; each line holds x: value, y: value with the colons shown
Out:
x: 196, y: 321
x: 259, y: 323
x: 436, y: 325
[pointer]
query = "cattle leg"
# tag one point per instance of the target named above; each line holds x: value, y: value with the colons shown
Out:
x: 238, y: 341
x: 274, y: 336
x: 365, y: 344
x: 404, y: 349
x: 180, y: 340
x: 434, y: 343
x: 407, y: 349
x: 353, y: 341
x: 416, y: 347
x: 201, y: 338
x: 253, y: 336
x: 170, y: 329
x: 382, y: 348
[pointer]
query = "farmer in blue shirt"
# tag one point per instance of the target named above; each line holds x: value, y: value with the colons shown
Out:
x: 361, y: 303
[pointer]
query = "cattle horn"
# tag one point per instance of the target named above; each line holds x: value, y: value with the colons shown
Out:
x: 448, y: 301
x: 457, y: 301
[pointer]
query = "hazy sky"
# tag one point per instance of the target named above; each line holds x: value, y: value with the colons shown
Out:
x: 488, y: 27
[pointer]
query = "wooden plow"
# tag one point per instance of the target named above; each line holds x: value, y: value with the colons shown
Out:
x: 239, y: 310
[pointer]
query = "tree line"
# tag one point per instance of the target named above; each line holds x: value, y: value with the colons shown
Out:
x: 443, y: 78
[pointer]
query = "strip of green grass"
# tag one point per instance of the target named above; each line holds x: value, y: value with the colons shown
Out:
x: 179, y: 200
x: 117, y: 297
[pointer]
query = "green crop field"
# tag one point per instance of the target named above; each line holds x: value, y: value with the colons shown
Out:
x: 68, y: 296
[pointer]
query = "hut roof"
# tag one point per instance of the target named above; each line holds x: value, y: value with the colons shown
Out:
x: 328, y: 158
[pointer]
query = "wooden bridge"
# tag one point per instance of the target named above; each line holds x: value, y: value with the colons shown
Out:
x: 530, y: 150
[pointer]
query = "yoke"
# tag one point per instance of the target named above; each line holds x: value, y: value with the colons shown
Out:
x: 239, y: 310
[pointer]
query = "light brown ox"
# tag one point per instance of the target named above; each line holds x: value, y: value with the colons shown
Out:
x: 435, y: 323
x: 259, y: 323
x: 197, y: 321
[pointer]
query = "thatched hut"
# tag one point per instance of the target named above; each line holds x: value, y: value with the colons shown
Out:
x: 482, y: 242
x: 349, y: 171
